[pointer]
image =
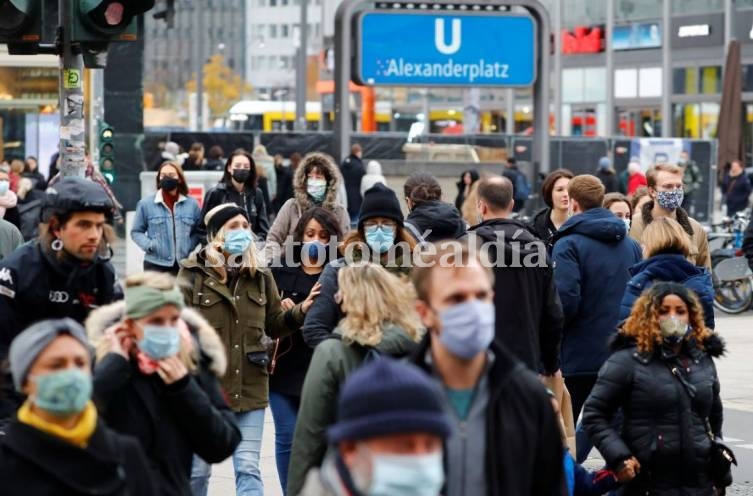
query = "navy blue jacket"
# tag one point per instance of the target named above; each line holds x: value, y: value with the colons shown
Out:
x: 670, y: 268
x: 592, y: 255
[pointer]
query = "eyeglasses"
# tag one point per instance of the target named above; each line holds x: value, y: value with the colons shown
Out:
x: 388, y: 225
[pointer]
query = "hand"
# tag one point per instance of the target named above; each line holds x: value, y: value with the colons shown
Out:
x: 311, y: 297
x: 172, y: 370
x: 630, y: 468
x: 119, y: 340
x: 287, y: 304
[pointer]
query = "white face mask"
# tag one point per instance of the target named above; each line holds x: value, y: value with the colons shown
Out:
x: 402, y: 475
x: 627, y: 223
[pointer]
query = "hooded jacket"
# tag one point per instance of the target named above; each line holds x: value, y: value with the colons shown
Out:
x: 373, y: 175
x: 670, y: 268
x: 543, y: 228
x: 662, y: 427
x: 251, y: 199
x: 528, y: 311
x: 699, y: 246
x: 353, y: 173
x: 331, y: 364
x: 172, y: 422
x: 523, y: 453
x: 292, y: 210
x: 441, y: 218
x: 592, y: 256
x: 33, y: 462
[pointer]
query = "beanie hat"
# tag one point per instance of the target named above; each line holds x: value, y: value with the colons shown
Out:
x: 604, y: 163
x: 216, y: 218
x: 380, y: 201
x: 386, y: 397
x: 27, y: 346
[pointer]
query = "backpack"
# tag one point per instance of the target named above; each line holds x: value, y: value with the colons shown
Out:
x: 521, y: 188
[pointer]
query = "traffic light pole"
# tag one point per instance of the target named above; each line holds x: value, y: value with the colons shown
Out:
x: 72, y: 128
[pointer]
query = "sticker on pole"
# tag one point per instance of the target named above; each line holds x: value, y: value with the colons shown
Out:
x: 424, y: 49
x: 71, y: 79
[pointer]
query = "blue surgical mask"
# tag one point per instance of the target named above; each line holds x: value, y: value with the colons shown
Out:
x: 238, y: 241
x: 316, y: 188
x: 379, y: 238
x: 670, y: 200
x: 467, y: 328
x: 4, y: 186
x: 406, y: 475
x: 315, y: 251
x: 673, y: 330
x: 160, y: 341
x: 62, y: 393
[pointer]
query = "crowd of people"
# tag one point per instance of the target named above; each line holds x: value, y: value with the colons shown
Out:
x: 434, y: 353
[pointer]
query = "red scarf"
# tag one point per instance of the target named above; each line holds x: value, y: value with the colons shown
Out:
x: 169, y: 199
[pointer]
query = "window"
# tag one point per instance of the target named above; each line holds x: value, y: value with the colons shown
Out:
x: 748, y: 78
x: 634, y: 10
x: 697, y: 6
x: 273, y: 3
x: 696, y: 120
x: 685, y: 81
x: 584, y: 13
x: 284, y: 31
x: 584, y: 85
x: 273, y: 30
x: 711, y: 80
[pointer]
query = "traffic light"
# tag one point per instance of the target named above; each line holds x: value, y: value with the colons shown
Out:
x: 107, y: 152
x: 106, y: 20
x: 20, y: 25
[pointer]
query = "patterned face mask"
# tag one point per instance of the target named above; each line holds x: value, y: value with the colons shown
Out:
x: 670, y: 200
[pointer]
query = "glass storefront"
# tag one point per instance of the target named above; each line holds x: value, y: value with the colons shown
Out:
x: 695, y: 120
x: 686, y: 7
x: 639, y: 122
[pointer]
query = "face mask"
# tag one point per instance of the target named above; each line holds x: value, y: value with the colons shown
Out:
x: 316, y: 188
x: 160, y: 341
x: 670, y: 200
x: 673, y: 330
x: 467, y: 328
x: 241, y: 175
x: 168, y: 183
x: 627, y: 223
x: 4, y: 185
x: 313, y: 250
x: 379, y: 238
x: 406, y: 475
x: 63, y: 393
x: 238, y: 241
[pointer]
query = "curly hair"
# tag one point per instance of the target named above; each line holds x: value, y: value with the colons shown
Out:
x: 390, y: 301
x: 643, y: 323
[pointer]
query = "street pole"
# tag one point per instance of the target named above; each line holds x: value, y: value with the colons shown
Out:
x: 666, y: 98
x: 199, y: 68
x: 609, y: 116
x: 71, y: 104
x: 300, y: 84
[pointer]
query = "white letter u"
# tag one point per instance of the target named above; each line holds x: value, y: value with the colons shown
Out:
x: 454, y: 46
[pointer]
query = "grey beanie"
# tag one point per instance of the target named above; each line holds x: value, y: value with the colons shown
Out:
x: 27, y: 346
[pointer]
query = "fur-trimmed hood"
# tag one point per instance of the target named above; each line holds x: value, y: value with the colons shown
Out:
x: 204, y: 334
x: 682, y: 217
x: 714, y: 345
x: 299, y: 181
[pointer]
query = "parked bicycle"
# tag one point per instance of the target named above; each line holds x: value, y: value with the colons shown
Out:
x: 732, y: 278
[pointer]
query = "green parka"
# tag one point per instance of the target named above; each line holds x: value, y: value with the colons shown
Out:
x: 241, y: 314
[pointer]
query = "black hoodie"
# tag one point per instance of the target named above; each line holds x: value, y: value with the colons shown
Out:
x: 529, y: 316
x: 443, y: 219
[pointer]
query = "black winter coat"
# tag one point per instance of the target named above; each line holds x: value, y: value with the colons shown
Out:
x: 284, y: 186
x: 34, y: 463
x: 253, y: 204
x: 442, y: 218
x: 663, y: 427
x: 609, y: 180
x: 353, y: 171
x: 36, y: 285
x: 543, y: 228
x: 172, y: 422
x: 528, y: 311
x: 523, y: 443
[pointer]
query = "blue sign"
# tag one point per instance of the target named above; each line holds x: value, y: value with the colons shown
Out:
x: 636, y: 36
x: 419, y: 49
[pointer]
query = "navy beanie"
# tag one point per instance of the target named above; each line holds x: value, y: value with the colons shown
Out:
x: 380, y: 201
x: 386, y: 397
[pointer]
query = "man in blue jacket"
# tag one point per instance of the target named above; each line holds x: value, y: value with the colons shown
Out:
x: 592, y: 255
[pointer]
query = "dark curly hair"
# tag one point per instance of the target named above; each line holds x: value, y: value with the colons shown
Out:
x: 643, y: 323
x: 422, y: 186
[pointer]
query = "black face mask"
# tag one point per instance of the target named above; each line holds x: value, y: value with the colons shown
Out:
x: 241, y: 175
x: 168, y: 183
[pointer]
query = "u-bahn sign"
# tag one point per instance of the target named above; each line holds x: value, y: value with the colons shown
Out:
x: 425, y: 49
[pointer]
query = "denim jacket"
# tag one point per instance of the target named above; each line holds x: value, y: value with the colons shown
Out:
x: 165, y: 237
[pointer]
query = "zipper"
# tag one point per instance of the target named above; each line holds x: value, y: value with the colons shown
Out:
x: 463, y: 451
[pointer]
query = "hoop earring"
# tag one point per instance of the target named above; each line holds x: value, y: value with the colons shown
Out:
x: 57, y: 244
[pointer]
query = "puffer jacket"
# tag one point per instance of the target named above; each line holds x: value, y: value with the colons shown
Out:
x: 663, y: 427
x: 172, y: 422
x: 333, y: 361
x: 242, y: 313
x: 292, y: 210
x: 670, y: 268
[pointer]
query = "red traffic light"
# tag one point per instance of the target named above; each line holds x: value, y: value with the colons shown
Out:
x: 15, y: 16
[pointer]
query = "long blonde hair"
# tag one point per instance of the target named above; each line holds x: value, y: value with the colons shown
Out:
x: 663, y: 235
x: 214, y: 249
x: 373, y: 298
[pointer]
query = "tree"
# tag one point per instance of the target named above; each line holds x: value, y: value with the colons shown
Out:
x: 222, y: 86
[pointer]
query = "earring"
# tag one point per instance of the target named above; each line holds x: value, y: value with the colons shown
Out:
x: 57, y: 244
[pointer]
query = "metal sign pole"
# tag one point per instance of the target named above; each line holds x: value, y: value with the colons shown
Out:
x: 71, y: 105
x: 344, y: 43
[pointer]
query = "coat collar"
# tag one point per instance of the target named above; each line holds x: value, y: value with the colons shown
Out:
x: 681, y: 214
x: 159, y: 199
x: 94, y: 470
